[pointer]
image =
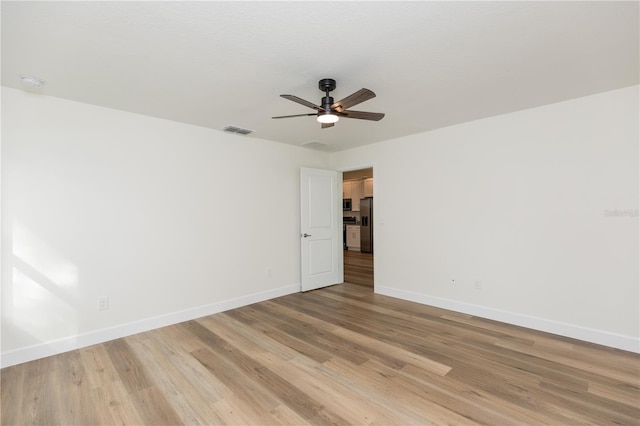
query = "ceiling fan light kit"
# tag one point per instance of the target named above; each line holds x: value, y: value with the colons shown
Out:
x: 327, y: 118
x: 329, y: 112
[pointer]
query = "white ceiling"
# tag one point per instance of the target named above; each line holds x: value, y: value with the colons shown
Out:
x: 212, y: 64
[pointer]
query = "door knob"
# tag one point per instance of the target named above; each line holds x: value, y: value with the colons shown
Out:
x: 306, y: 235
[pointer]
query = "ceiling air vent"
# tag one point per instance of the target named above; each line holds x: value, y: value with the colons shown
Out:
x: 315, y: 145
x: 239, y: 130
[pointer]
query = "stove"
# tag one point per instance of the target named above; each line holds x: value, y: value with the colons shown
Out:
x: 347, y: 220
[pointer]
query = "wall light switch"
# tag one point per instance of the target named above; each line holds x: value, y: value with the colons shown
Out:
x: 103, y: 303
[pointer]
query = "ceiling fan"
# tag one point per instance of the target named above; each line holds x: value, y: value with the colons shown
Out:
x: 328, y: 112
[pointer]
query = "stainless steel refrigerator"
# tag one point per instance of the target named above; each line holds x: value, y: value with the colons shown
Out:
x: 366, y: 225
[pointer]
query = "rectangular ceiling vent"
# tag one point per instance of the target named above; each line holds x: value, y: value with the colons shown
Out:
x: 315, y: 145
x: 239, y: 130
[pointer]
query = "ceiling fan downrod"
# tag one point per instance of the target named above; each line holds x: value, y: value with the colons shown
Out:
x: 327, y: 85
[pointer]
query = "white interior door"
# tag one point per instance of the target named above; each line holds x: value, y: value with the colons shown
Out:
x: 321, y: 228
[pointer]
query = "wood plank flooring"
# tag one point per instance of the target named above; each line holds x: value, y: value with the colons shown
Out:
x: 358, y: 268
x: 339, y: 355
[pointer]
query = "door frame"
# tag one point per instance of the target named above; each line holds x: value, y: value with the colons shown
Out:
x: 376, y: 251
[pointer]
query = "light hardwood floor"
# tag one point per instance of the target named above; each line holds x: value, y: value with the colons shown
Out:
x: 339, y: 355
x: 358, y: 268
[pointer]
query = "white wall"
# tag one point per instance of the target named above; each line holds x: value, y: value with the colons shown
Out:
x: 168, y: 220
x: 520, y: 203
x: 172, y: 221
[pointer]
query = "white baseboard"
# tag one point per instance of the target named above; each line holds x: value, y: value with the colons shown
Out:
x: 619, y: 341
x: 45, y: 349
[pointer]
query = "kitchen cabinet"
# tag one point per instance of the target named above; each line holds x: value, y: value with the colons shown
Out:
x: 357, y: 192
x: 346, y: 189
x: 353, y: 237
x: 368, y: 188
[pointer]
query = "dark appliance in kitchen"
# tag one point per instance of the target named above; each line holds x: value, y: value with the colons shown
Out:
x: 366, y: 225
x: 347, y: 220
x: 346, y: 204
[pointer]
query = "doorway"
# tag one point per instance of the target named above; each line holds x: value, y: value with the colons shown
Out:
x: 358, y: 227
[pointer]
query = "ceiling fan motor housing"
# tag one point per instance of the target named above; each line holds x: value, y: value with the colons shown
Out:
x: 327, y: 101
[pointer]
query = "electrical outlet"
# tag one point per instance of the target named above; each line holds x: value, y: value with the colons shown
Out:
x: 103, y: 303
x: 478, y: 285
x: 453, y: 281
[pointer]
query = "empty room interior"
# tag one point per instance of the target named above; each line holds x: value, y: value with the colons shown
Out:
x: 320, y: 212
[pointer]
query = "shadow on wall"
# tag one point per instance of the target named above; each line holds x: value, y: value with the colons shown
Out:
x: 40, y: 298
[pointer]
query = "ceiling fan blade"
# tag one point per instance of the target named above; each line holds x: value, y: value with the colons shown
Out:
x: 296, y: 115
x: 362, y: 115
x: 302, y: 102
x: 325, y: 125
x: 353, y: 99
